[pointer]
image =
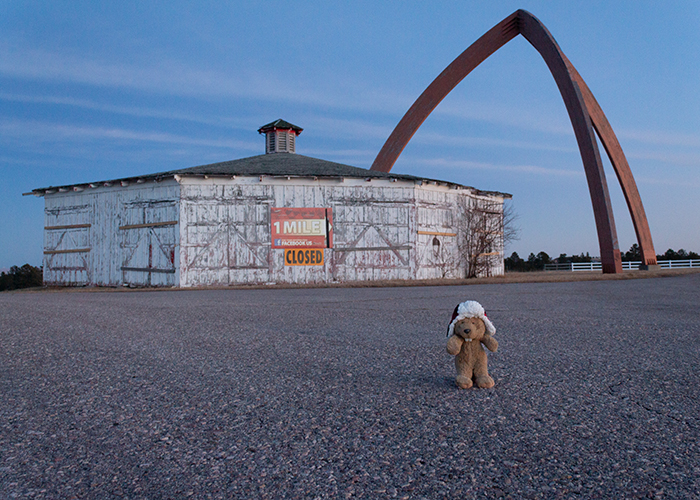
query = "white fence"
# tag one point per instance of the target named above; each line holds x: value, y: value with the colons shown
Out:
x: 626, y: 266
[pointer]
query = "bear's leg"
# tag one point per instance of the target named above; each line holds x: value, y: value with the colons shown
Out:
x: 464, y: 374
x: 481, y: 372
x: 463, y: 382
x: 484, y: 381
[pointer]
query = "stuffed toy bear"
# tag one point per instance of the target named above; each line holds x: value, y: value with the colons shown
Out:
x: 468, y: 330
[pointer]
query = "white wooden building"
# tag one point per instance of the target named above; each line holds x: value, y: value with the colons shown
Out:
x: 215, y: 224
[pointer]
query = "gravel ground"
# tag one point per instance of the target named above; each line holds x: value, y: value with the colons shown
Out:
x: 349, y: 393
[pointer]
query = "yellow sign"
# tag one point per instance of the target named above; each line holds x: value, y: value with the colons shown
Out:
x: 298, y: 257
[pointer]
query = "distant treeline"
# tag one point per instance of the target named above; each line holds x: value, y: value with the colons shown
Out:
x: 537, y: 262
x: 21, y: 277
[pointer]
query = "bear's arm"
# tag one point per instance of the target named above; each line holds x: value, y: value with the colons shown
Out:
x: 490, y: 343
x: 454, y: 344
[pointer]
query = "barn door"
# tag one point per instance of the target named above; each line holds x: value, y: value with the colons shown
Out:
x: 67, y: 245
x: 249, y: 242
x: 372, y: 240
x: 149, y: 241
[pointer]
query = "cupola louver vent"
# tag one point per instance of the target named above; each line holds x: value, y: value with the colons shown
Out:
x: 280, y: 136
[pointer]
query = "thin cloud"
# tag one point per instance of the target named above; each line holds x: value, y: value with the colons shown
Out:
x: 527, y: 169
x: 53, y: 132
x: 123, y: 110
x: 452, y: 140
x: 340, y: 152
x: 661, y: 138
x: 40, y: 65
x: 11, y: 160
x: 363, y: 129
x: 662, y: 181
x: 178, y: 79
x: 665, y: 158
x: 169, y: 77
x: 499, y: 114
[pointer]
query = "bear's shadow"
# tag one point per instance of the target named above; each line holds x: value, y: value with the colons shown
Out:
x: 436, y: 382
x: 446, y: 383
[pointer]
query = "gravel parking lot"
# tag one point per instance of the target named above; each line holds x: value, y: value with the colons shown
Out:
x: 349, y: 393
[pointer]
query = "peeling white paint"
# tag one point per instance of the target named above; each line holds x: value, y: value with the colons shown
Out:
x: 194, y: 231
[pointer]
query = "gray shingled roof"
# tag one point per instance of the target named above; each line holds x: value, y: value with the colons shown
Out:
x: 281, y: 164
x: 274, y: 164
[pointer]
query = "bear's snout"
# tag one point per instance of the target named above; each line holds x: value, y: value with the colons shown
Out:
x: 466, y: 333
x: 469, y: 329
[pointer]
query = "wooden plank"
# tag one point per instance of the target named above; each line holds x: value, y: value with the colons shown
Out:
x: 69, y: 226
x: 436, y: 233
x: 148, y: 270
x: 363, y: 249
x: 151, y: 224
x: 76, y: 250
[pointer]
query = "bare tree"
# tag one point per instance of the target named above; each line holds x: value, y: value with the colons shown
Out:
x: 484, y: 227
x: 443, y: 259
x: 443, y: 262
x: 511, y: 231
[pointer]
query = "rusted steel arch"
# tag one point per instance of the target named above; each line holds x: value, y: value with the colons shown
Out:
x: 621, y: 167
x: 585, y: 115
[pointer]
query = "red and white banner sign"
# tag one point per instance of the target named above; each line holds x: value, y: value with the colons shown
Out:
x: 301, y: 227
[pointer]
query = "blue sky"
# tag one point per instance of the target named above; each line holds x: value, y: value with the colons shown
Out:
x: 101, y: 90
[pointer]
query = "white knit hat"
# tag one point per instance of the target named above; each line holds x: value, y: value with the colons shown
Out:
x: 470, y: 309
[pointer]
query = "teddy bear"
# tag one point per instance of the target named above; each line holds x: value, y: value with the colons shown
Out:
x: 468, y: 330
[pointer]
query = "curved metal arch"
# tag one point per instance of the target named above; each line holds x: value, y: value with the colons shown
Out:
x: 585, y: 114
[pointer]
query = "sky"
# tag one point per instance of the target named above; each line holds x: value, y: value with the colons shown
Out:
x: 93, y: 91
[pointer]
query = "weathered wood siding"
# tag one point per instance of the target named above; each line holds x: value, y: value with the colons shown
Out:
x: 68, y: 252
x: 225, y: 236
x: 436, y: 239
x: 374, y: 229
x: 112, y: 236
x: 225, y: 233
x: 216, y: 231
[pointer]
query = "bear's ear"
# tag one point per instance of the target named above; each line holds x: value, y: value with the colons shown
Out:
x: 454, y: 315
